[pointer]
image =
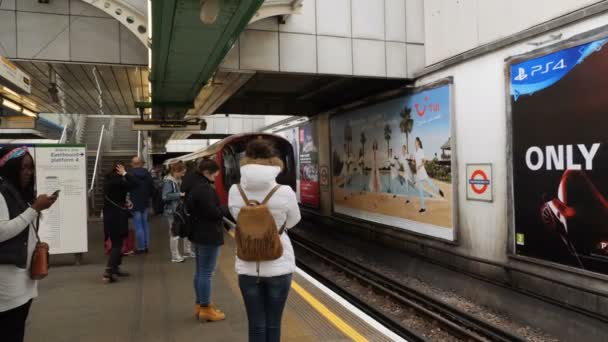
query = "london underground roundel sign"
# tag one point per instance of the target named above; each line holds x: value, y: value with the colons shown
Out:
x: 479, y: 182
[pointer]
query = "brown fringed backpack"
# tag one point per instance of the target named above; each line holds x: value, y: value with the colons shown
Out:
x: 257, y: 237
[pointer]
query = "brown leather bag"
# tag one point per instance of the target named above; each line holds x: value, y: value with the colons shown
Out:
x: 39, y: 267
x: 257, y: 237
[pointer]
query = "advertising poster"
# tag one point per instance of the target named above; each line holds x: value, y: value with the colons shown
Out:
x: 293, y: 136
x: 392, y: 163
x: 560, y: 156
x: 309, y: 166
x: 64, y: 225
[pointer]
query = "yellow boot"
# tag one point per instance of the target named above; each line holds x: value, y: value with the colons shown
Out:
x: 210, y: 313
x: 197, y: 310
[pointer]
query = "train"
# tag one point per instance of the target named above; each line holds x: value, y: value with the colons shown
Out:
x: 228, y: 153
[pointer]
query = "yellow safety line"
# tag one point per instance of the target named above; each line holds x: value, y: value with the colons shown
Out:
x: 325, y: 311
x: 328, y: 314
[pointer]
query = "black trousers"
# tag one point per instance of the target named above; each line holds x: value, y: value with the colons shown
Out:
x: 116, y: 252
x: 12, y: 323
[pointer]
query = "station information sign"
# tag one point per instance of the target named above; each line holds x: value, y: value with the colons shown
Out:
x: 64, y: 225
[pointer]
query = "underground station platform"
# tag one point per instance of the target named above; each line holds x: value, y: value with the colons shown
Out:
x: 155, y: 303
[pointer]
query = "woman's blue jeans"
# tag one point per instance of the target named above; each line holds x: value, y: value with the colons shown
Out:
x: 265, y: 300
x: 421, y: 190
x: 142, y: 229
x: 206, y: 262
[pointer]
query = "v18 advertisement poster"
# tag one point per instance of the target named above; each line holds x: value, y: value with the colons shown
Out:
x: 309, y: 166
x: 560, y: 155
x: 293, y: 136
x: 392, y: 163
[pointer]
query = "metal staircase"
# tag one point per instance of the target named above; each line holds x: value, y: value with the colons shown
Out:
x: 109, y: 140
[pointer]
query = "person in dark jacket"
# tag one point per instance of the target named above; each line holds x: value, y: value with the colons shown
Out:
x: 141, y: 196
x: 19, y: 211
x: 117, y: 185
x: 207, y: 236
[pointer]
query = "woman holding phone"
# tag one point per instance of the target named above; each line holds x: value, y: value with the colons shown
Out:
x: 19, y: 212
x: 116, y: 217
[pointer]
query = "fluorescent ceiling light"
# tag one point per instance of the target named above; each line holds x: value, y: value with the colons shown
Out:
x: 12, y: 105
x: 29, y: 113
x: 10, y: 91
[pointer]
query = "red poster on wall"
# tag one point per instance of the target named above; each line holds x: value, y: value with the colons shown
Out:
x: 309, y: 167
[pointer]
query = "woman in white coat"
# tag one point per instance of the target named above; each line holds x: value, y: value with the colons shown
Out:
x: 265, y: 293
x: 422, y: 176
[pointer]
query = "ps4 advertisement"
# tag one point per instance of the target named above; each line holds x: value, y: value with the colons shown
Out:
x: 559, y: 109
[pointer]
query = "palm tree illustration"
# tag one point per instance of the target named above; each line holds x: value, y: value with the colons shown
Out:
x: 363, y: 140
x: 348, y: 136
x: 387, y: 136
x: 407, y: 124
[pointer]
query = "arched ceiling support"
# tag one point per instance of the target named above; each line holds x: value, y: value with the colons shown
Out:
x: 127, y: 15
x: 277, y: 8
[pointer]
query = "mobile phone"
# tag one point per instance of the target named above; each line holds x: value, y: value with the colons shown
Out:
x: 56, y: 193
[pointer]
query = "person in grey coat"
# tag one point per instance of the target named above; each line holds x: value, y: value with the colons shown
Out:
x: 172, y: 198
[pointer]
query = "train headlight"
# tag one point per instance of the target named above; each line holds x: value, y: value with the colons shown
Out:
x: 203, y: 125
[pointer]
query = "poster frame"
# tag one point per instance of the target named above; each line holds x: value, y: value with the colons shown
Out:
x: 387, y: 96
x: 579, y: 39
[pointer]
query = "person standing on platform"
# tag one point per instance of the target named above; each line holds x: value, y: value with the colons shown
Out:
x: 207, y: 236
x: 265, y: 285
x: 172, y: 197
x: 118, y: 182
x: 19, y: 213
x: 141, y: 196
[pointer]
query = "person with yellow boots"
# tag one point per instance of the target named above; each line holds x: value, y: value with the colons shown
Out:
x: 207, y: 237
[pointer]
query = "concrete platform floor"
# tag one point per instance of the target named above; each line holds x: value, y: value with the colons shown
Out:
x: 155, y: 304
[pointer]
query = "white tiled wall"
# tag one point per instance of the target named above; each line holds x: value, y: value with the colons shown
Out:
x: 396, y: 59
x: 66, y: 30
x: 260, y: 50
x: 334, y: 18
x: 298, y: 52
x: 395, y: 21
x: 94, y: 39
x: 7, y: 5
x: 341, y: 37
x: 335, y: 55
x: 8, y: 39
x: 42, y: 36
x: 369, y: 57
x: 368, y: 19
x: 304, y: 22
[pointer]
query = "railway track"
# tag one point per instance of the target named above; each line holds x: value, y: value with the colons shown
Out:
x: 458, y: 323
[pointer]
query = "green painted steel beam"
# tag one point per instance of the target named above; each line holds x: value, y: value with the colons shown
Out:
x: 186, y: 52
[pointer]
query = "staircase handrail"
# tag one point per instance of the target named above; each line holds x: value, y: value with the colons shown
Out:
x: 79, y: 129
x: 100, y: 150
x: 64, y: 135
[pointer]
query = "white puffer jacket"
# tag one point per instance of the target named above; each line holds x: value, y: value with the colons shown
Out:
x: 257, y: 181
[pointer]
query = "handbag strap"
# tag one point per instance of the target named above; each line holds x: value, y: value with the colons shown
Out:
x: 114, y: 203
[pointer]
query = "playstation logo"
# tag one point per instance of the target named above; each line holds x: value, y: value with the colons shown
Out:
x: 521, y: 75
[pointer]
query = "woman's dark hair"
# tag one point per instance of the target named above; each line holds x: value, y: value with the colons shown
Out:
x: 419, y: 142
x: 208, y: 165
x: 259, y: 149
x: 11, y: 171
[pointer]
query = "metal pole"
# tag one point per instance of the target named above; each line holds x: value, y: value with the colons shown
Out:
x: 139, y: 143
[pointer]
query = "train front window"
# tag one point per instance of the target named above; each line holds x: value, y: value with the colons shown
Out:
x: 232, y: 172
